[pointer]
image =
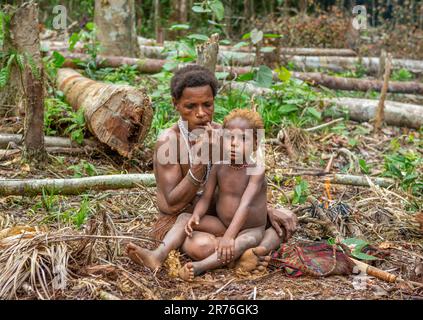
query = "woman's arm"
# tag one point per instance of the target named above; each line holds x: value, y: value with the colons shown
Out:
x: 177, y: 190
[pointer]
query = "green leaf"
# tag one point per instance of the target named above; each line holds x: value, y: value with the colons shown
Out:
x: 90, y: 26
x: 73, y: 40
x: 20, y: 61
x: 264, y: 76
x: 363, y: 256
x: 225, y: 42
x: 256, y: 36
x: 200, y: 9
x: 58, y: 59
x: 218, y: 9
x: 287, y: 108
x: 197, y: 36
x: 363, y: 166
x: 246, y: 76
x: 4, y: 76
x: 272, y: 35
x: 179, y: 27
x: 246, y: 36
x: 314, y: 113
x: 283, y: 74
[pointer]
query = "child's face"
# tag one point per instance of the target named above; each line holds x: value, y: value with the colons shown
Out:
x: 196, y: 106
x: 242, y: 140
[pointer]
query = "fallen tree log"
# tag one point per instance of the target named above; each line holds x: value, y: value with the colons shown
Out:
x: 117, y: 115
x: 7, y: 139
x: 74, y: 186
x: 10, y: 153
x: 363, y: 110
x: 339, y: 64
x: 352, y: 84
x: 153, y: 50
x: 143, y: 65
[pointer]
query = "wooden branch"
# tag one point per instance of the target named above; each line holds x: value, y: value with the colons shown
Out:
x: 73, y: 186
x: 381, y: 106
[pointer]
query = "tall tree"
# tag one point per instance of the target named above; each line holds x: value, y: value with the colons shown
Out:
x: 116, y: 27
x: 25, y: 88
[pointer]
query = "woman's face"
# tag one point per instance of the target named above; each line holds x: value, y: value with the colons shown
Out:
x: 196, y: 106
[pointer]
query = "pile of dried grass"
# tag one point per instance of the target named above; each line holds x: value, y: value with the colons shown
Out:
x: 34, y: 261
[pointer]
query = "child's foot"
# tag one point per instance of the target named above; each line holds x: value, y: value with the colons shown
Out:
x: 187, y: 272
x: 253, y: 260
x: 143, y: 257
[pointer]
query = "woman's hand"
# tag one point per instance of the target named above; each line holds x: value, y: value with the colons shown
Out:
x: 283, y: 218
x: 225, y: 250
x: 194, y: 220
x: 209, y: 139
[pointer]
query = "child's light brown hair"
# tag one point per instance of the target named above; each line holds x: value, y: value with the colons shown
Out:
x: 252, y: 117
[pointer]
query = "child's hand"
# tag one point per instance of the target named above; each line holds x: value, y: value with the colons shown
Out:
x: 194, y: 220
x: 226, y: 250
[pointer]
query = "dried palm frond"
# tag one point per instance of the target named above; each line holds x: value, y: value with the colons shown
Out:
x: 36, y: 258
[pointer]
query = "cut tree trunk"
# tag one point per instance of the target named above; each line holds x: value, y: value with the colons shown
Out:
x: 25, y: 40
x: 352, y: 84
x: 363, y: 110
x: 116, y: 27
x: 207, y: 53
x: 74, y: 186
x: 117, y: 115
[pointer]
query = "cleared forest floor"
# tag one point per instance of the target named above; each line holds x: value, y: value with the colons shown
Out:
x: 99, y: 266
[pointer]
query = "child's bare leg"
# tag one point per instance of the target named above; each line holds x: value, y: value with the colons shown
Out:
x: 248, y: 238
x: 174, y: 239
x: 256, y: 259
x: 153, y: 259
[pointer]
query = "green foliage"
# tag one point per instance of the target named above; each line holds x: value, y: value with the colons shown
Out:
x: 4, y: 27
x: 264, y: 77
x: 83, y: 168
x: 402, y: 75
x: 60, y: 119
x: 406, y: 167
x: 91, y: 46
x: 356, y: 246
x: 210, y: 6
x: 301, y: 191
x: 122, y: 75
x: 363, y: 166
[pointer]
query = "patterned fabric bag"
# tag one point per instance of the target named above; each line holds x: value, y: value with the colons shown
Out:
x: 314, y: 259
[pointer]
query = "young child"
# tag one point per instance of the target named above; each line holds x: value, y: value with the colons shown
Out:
x: 241, y: 205
x: 241, y: 201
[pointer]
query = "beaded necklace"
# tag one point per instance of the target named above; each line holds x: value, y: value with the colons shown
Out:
x: 188, y: 136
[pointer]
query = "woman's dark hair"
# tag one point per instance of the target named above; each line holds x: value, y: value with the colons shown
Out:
x: 192, y: 76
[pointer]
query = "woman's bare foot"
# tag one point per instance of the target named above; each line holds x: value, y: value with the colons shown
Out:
x: 143, y: 256
x: 253, y: 260
x: 187, y: 272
